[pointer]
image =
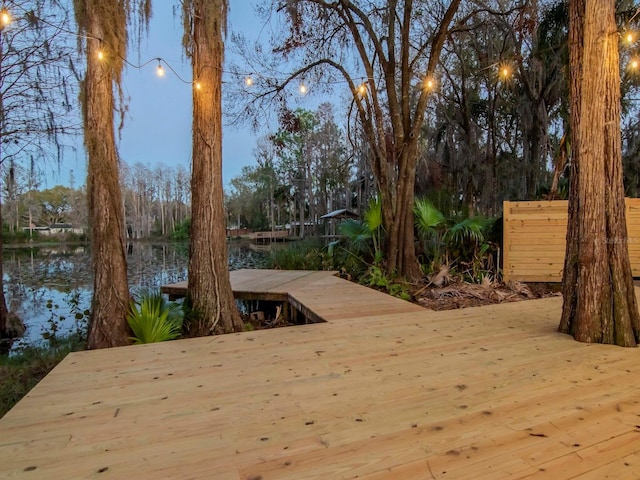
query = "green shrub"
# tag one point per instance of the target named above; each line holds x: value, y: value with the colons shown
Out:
x: 182, y: 231
x: 399, y: 290
x: 19, y: 236
x: 305, y: 254
x: 152, y: 319
x: 376, y: 277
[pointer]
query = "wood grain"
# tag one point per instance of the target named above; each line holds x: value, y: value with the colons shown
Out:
x: 535, y: 238
x: 482, y: 393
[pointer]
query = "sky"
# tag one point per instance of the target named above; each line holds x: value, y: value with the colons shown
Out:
x: 157, y: 129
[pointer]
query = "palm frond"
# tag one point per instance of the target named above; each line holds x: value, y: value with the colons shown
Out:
x: 373, y: 215
x: 357, y: 234
x: 427, y: 217
x: 472, y: 230
x: 152, y: 319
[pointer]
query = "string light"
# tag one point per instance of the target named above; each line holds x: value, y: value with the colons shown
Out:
x: 504, y: 72
x: 429, y: 84
x: 5, y: 18
x: 630, y: 37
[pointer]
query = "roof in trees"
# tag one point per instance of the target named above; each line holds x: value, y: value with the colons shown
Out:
x: 340, y: 214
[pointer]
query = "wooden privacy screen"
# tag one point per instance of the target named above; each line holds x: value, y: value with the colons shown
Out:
x: 534, y: 239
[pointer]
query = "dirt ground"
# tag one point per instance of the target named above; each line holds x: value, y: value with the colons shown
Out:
x: 463, y: 295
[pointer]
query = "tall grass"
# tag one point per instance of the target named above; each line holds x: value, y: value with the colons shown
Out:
x: 22, y: 371
x: 305, y: 254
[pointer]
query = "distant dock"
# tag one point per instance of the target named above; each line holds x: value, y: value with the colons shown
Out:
x: 267, y: 237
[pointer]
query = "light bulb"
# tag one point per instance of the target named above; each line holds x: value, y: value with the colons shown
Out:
x: 635, y: 64
x: 303, y: 88
x: 5, y: 17
x: 429, y: 84
x: 362, y: 89
x: 198, y: 86
x: 629, y: 37
x: 505, y: 72
x: 160, y: 71
x: 100, y: 55
x: 248, y: 81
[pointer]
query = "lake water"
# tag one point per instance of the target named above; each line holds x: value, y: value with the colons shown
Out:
x: 50, y: 287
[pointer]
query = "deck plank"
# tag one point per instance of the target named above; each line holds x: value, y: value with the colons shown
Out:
x: 311, y: 292
x: 374, y: 393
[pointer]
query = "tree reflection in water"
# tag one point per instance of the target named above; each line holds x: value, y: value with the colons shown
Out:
x: 53, y: 283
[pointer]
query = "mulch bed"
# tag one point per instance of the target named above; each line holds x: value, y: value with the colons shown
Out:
x: 463, y: 295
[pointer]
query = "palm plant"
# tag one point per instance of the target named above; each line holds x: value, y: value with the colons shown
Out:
x: 357, y: 234
x: 469, y: 238
x: 373, y: 221
x: 152, y: 319
x: 428, y: 219
x: 468, y: 233
x: 365, y: 236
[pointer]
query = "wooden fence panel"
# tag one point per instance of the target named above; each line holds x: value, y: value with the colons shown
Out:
x: 534, y: 239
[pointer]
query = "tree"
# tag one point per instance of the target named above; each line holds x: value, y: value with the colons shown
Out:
x: 292, y: 142
x: 35, y: 91
x: 330, y: 166
x: 139, y: 196
x: 500, y: 107
x: 250, y: 201
x: 104, y: 25
x: 210, y: 294
x: 394, y: 48
x: 599, y: 300
x: 55, y: 204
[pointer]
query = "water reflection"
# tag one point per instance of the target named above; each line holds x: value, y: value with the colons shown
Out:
x: 46, y: 285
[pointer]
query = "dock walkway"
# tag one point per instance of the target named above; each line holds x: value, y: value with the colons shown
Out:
x: 269, y: 236
x: 482, y: 393
x: 321, y: 296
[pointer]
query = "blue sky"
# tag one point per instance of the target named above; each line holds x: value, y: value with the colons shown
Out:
x: 158, y: 123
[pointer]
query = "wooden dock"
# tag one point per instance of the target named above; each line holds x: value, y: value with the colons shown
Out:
x: 269, y: 236
x: 482, y: 393
x: 311, y: 292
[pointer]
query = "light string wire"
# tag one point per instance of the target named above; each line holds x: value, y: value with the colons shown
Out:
x: 503, y: 68
x: 6, y: 19
x: 248, y: 77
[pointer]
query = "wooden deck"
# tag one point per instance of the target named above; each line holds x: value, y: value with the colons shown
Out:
x: 321, y: 296
x: 269, y: 236
x: 482, y: 393
x: 251, y: 284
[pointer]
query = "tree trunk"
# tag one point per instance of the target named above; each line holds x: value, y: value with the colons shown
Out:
x: 4, y: 311
x: 559, y: 164
x: 110, y: 303
x: 210, y: 290
x: 163, y: 231
x: 301, y: 209
x: 397, y: 204
x: 599, y: 300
